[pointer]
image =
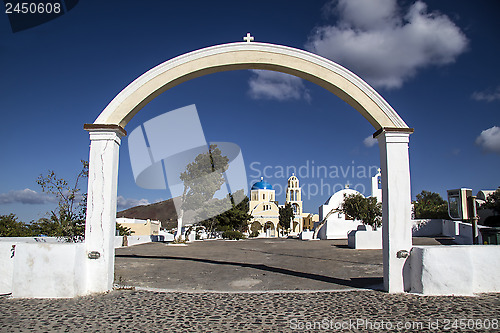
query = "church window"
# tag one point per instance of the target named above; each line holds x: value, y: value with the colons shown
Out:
x: 263, y: 196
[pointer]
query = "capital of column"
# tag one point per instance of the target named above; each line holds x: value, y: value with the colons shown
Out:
x: 394, y: 135
x: 106, y: 132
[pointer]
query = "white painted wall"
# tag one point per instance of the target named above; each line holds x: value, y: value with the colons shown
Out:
x: 427, y: 227
x: 39, y: 270
x: 136, y: 240
x: 461, y: 231
x: 7, y: 264
x: 51, y: 240
x: 306, y: 235
x: 455, y: 269
x: 365, y: 239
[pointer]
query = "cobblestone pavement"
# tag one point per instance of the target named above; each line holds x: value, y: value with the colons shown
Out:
x: 250, y: 272
x: 341, y: 311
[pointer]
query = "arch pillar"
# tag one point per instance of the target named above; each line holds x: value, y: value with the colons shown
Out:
x: 396, y: 207
x: 101, y: 206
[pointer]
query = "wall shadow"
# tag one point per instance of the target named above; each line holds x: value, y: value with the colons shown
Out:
x: 374, y: 283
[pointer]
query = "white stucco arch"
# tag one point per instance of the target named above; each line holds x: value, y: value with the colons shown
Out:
x: 236, y: 56
x: 107, y: 130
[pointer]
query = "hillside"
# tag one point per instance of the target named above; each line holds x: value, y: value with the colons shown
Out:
x: 163, y: 211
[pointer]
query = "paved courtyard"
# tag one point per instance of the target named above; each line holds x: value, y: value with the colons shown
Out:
x: 249, y: 265
x: 251, y: 286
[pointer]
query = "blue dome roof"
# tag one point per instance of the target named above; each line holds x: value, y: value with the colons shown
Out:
x: 262, y: 185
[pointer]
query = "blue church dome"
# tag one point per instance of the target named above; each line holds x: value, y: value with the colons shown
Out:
x: 262, y: 185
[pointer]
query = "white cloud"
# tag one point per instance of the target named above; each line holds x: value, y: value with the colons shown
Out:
x: 369, y: 141
x: 384, y: 47
x: 123, y: 203
x: 26, y: 196
x: 487, y: 96
x: 489, y: 140
x: 275, y: 85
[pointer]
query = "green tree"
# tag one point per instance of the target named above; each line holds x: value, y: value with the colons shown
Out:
x: 202, y: 179
x: 493, y: 202
x: 367, y: 210
x: 286, y: 215
x: 68, y: 220
x: 11, y: 227
x: 237, y: 217
x: 234, y: 219
x: 430, y: 205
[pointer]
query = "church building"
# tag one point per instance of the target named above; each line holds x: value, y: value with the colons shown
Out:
x: 264, y: 209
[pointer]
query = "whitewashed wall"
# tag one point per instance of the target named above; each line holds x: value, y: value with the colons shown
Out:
x: 136, y: 240
x: 365, y: 239
x: 7, y: 265
x: 461, y: 231
x: 39, y: 270
x: 40, y: 267
x: 455, y: 269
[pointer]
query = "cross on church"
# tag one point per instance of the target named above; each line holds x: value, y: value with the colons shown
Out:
x: 248, y: 38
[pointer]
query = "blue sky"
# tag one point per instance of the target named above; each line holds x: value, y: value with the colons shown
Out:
x: 435, y: 62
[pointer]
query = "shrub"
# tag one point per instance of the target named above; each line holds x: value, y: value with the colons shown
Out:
x: 254, y: 233
x: 232, y: 234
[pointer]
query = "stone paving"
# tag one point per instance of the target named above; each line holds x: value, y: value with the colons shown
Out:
x: 251, y: 307
x: 341, y: 311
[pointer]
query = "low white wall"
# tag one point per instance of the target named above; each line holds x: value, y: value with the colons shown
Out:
x: 7, y: 263
x: 450, y: 228
x: 306, y: 235
x: 135, y: 240
x: 427, y: 227
x: 38, y: 270
x: 365, y: 240
x: 461, y: 231
x: 51, y: 240
x: 48, y: 267
x: 455, y: 269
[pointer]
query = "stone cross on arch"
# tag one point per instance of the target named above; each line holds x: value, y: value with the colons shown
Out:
x: 248, y: 38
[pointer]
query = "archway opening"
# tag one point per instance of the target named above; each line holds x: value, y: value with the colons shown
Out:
x: 107, y: 130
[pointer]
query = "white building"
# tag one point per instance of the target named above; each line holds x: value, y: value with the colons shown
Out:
x: 264, y: 209
x: 337, y: 225
x: 140, y: 227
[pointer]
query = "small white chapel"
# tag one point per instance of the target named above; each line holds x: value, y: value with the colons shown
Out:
x: 338, y: 225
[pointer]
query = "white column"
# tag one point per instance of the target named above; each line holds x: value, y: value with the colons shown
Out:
x: 101, y: 206
x: 396, y: 203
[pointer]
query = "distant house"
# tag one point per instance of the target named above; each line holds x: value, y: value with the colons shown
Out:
x: 140, y: 227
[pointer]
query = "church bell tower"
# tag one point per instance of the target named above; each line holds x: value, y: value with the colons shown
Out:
x: 294, y: 198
